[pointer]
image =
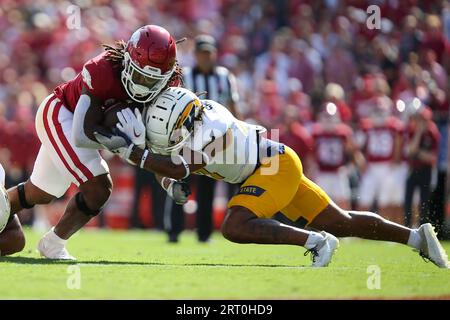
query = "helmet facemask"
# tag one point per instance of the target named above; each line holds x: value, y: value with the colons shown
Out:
x: 152, y: 80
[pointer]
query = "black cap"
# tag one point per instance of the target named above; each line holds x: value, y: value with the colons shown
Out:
x: 205, y: 42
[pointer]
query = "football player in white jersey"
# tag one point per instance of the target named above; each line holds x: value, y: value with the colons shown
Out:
x: 188, y: 135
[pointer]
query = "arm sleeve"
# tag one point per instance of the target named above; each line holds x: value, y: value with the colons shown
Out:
x: 78, y: 134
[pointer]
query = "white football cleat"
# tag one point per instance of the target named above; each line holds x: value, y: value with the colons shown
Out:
x: 322, y: 253
x: 430, y: 248
x: 52, y: 247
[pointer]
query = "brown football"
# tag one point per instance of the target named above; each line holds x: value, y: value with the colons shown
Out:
x: 110, y: 114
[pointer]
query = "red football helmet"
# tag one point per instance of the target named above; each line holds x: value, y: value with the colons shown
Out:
x: 149, y: 62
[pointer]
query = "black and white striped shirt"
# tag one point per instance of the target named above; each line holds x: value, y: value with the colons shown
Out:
x: 220, y: 84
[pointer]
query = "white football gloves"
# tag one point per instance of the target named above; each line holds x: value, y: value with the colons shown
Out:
x: 179, y: 191
x: 131, y: 124
x: 130, y: 132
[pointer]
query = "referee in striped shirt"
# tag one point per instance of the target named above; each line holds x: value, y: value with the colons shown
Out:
x: 219, y: 84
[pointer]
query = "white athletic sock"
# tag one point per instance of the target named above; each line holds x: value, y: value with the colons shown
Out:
x: 414, y: 239
x: 314, y: 238
x: 53, y: 237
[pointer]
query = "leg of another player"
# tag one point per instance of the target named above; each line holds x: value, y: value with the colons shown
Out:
x: 12, y: 239
x: 31, y: 195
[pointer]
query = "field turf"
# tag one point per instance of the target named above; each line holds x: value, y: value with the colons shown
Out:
x: 142, y: 265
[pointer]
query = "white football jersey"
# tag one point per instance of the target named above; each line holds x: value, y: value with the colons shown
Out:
x: 234, y: 160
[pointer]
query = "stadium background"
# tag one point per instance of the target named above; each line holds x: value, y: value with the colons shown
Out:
x: 283, y: 53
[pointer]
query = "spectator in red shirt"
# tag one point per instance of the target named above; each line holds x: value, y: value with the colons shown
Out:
x: 301, y: 67
x: 409, y: 39
x: 340, y: 68
x: 269, y: 103
x: 437, y: 72
x: 295, y: 135
x: 300, y: 99
x: 434, y: 38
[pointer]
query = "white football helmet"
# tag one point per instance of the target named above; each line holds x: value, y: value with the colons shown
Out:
x: 5, y: 207
x: 169, y: 120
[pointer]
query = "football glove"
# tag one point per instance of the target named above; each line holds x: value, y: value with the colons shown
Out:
x: 131, y: 125
x: 116, y: 142
x: 179, y: 191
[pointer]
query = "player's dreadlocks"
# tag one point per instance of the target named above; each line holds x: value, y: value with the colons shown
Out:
x: 116, y: 54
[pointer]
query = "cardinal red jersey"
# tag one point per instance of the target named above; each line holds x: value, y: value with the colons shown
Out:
x: 379, y: 143
x: 100, y: 77
x: 363, y: 108
x: 298, y: 139
x: 329, y: 146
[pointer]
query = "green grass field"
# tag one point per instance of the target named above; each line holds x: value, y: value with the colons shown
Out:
x: 141, y: 265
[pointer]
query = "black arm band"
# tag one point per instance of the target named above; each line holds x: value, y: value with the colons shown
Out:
x: 23, y: 201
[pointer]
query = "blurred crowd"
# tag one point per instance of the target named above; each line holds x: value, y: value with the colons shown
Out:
x: 291, y: 58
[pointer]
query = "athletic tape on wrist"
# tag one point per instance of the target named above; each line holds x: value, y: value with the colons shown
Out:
x: 144, y: 157
x: 186, y: 166
x: 163, y: 180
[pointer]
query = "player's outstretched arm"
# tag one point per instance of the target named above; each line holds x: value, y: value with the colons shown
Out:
x: 175, y: 167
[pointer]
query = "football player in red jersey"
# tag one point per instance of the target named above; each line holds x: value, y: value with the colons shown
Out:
x: 333, y: 147
x: 67, y: 123
x: 382, y: 147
